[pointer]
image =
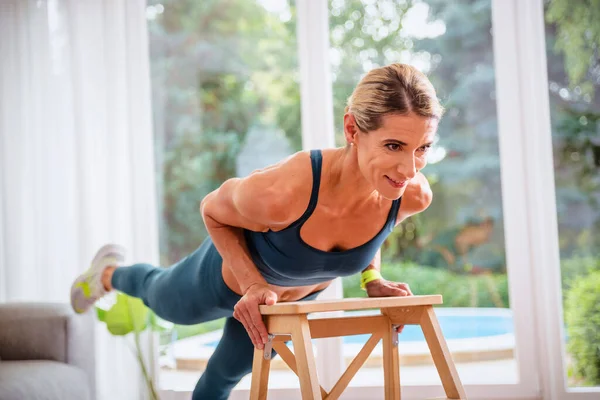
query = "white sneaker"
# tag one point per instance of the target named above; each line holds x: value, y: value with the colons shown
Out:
x: 88, y: 287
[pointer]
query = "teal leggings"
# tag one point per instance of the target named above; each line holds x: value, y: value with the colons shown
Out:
x: 190, y: 292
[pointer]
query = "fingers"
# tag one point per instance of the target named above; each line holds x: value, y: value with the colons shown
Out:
x: 242, y: 318
x: 247, y: 312
x: 242, y: 314
x: 396, y: 290
x: 258, y: 324
x: 271, y: 299
x: 404, y: 287
x: 410, y: 293
x: 257, y: 337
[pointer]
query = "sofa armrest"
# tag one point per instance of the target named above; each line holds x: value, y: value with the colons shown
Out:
x: 48, y: 331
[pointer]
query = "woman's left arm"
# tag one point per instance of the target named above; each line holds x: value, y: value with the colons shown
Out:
x: 383, y: 287
x: 416, y: 198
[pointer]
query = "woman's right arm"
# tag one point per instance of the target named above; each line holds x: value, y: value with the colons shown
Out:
x: 223, y: 212
x: 268, y: 199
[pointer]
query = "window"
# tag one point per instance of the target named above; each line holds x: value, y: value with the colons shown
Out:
x: 456, y: 247
x: 226, y: 101
x: 226, y: 80
x: 572, y: 36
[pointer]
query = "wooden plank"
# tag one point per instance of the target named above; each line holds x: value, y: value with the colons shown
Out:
x: 305, y: 360
x: 344, y: 326
x: 334, y: 327
x: 354, y: 366
x: 391, y: 366
x: 441, y: 355
x: 260, y: 376
x: 289, y: 358
x: 404, y: 315
x: 304, y: 307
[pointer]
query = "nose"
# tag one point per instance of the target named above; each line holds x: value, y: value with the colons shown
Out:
x: 407, y: 168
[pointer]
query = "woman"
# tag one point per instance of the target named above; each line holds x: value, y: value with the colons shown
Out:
x: 285, y: 232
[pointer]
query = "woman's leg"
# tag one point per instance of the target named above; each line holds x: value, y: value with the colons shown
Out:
x: 230, y: 362
x: 185, y: 293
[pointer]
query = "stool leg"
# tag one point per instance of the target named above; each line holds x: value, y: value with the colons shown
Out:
x: 391, y: 365
x: 305, y: 359
x: 260, y: 376
x: 441, y: 355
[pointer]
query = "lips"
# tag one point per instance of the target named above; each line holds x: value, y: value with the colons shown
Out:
x: 395, y: 183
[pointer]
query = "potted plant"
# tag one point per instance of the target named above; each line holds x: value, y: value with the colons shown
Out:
x: 130, y: 315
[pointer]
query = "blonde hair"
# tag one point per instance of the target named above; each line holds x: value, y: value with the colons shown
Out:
x: 393, y: 89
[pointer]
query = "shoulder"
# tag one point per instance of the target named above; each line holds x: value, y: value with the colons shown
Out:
x: 279, y: 193
x: 417, y: 197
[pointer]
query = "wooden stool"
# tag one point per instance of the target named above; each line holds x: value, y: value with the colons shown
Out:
x: 288, y: 321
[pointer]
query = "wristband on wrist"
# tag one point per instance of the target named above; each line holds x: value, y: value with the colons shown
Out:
x: 369, y: 276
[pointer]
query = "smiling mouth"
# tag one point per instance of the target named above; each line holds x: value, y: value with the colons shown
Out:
x: 396, y: 184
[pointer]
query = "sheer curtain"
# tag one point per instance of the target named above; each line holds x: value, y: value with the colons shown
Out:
x: 76, y: 154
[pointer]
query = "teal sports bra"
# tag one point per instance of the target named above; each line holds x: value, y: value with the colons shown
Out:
x: 284, y: 259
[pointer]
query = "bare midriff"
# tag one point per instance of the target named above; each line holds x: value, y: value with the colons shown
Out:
x: 284, y: 293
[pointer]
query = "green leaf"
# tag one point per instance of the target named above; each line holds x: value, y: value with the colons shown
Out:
x: 127, y: 315
x: 101, y: 314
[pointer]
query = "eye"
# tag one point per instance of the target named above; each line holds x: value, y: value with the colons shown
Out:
x: 393, y: 146
x: 425, y: 148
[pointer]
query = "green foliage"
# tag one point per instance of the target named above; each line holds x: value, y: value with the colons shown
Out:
x: 457, y: 290
x: 572, y: 269
x: 129, y: 314
x: 355, y: 36
x: 578, y: 38
x: 582, y: 315
x: 219, y: 68
x: 466, y: 182
x: 579, y: 151
x: 197, y: 165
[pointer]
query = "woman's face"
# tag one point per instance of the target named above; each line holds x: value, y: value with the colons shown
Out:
x: 391, y: 156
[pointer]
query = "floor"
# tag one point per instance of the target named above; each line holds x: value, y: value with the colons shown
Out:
x: 484, y: 372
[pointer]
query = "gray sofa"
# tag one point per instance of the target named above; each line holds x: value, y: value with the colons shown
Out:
x: 46, y: 353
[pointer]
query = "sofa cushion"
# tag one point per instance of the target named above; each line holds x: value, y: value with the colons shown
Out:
x: 42, y: 380
x: 34, y: 331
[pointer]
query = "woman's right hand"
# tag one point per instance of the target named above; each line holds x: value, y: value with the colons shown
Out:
x: 246, y: 311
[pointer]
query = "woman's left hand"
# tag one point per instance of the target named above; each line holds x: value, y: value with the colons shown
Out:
x: 385, y: 288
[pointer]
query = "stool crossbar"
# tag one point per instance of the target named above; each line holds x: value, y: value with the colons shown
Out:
x: 289, y: 321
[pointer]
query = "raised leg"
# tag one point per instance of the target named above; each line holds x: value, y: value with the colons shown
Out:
x: 189, y: 292
x: 441, y: 355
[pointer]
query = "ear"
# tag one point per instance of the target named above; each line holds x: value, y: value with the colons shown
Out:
x: 350, y: 128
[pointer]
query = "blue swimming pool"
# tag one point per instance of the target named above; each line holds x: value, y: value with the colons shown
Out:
x: 455, y: 325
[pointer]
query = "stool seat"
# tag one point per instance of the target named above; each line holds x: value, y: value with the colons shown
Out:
x: 289, y: 321
x: 349, y: 304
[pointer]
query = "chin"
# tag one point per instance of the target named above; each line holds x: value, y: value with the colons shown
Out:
x: 391, y: 193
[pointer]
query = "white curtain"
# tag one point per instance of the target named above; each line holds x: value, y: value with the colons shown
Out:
x: 76, y: 154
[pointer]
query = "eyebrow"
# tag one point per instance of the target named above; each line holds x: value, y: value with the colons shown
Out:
x: 401, y: 143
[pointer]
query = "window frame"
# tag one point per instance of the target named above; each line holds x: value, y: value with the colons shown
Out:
x: 523, y: 92
x: 512, y: 166
x: 528, y: 196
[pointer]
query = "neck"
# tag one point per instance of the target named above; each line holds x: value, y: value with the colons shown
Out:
x: 346, y: 185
